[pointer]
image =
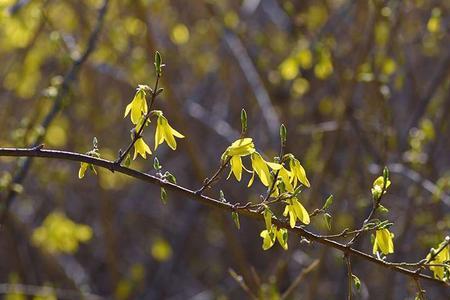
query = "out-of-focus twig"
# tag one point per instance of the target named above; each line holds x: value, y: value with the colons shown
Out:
x: 299, y: 279
x: 68, y: 80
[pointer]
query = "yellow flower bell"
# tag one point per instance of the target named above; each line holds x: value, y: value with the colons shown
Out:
x: 261, y: 168
x: 138, y: 105
x: 140, y: 147
x: 238, y: 148
x: 165, y: 132
x: 241, y: 147
x: 236, y: 167
x: 383, y: 242
x: 443, y: 257
x: 82, y: 170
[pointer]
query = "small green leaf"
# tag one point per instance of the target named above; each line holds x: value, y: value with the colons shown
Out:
x: 244, y: 121
x: 283, y: 134
x: 327, y: 218
x: 356, y: 281
x: 170, y: 177
x: 382, y: 209
x: 268, y: 219
x: 159, y: 91
x: 127, y: 161
x: 328, y: 202
x: 163, y: 196
x: 156, y: 165
x: 235, y: 217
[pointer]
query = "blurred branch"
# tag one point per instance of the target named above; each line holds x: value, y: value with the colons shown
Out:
x: 439, y: 76
x: 69, y: 78
x: 226, y: 206
x: 45, y: 291
x: 251, y: 74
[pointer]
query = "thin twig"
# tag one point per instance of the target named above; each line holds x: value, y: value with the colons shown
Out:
x: 349, y: 275
x: 240, y: 280
x: 209, y: 181
x: 299, y: 279
x: 420, y: 291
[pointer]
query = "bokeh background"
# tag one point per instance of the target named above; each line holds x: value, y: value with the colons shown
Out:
x: 359, y: 85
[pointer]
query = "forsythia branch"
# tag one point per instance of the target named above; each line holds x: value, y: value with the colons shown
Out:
x: 245, y: 210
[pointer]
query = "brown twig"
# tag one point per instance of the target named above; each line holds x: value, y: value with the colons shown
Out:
x: 348, y: 263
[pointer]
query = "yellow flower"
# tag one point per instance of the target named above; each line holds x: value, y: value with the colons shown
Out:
x: 383, y: 241
x: 298, y: 173
x: 261, y: 167
x: 442, y: 257
x: 238, y: 148
x: 138, y: 105
x: 140, y: 147
x: 295, y: 210
x: 236, y: 167
x: 241, y: 147
x: 164, y: 132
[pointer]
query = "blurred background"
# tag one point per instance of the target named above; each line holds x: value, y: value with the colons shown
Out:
x: 359, y: 85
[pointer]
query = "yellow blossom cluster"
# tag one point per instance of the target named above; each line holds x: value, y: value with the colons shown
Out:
x: 59, y: 234
x: 140, y: 116
x: 277, y: 178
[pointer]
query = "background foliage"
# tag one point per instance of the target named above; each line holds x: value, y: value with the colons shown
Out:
x: 359, y: 85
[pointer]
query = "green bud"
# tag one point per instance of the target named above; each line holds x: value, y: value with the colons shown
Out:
x: 158, y: 63
x: 222, y: 196
x: 385, y: 174
x: 356, y: 281
x: 283, y: 134
x: 156, y: 165
x: 243, y: 121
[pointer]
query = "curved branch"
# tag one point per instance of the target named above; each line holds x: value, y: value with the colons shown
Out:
x: 112, y: 166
